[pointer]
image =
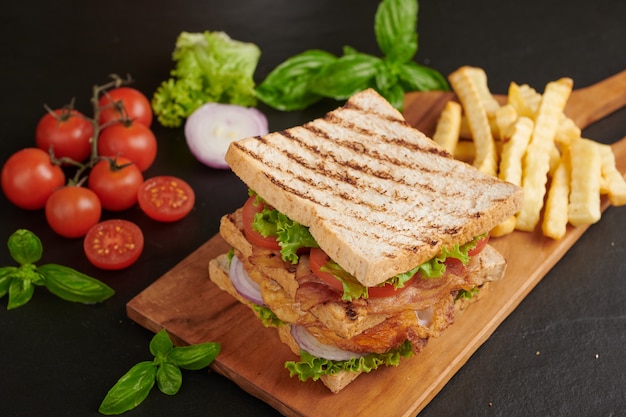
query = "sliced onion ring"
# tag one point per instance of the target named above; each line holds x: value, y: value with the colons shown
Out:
x: 310, y: 344
x: 213, y: 126
x: 245, y: 286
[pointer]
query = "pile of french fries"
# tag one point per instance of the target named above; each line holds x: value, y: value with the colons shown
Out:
x: 530, y: 142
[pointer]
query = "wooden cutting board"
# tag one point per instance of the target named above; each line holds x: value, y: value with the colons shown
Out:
x: 193, y: 310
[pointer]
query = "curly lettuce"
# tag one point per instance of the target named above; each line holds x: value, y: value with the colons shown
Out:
x: 312, y: 367
x: 209, y: 67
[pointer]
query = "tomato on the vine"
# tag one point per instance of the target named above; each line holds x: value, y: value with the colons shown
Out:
x: 131, y: 140
x: 72, y: 210
x: 68, y: 132
x: 115, y: 181
x: 113, y: 244
x: 125, y: 103
x: 166, y: 198
x: 250, y: 208
x: 29, y: 177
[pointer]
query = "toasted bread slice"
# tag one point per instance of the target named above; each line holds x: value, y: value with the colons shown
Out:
x: 378, y: 195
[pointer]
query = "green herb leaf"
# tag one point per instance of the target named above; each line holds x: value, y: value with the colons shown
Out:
x: 194, y: 357
x: 20, y: 292
x: 161, y: 344
x: 346, y: 76
x: 395, y: 25
x: 287, y: 87
x: 71, y: 285
x: 7, y: 274
x: 25, y: 247
x: 415, y: 77
x: 169, y: 378
x: 130, y: 390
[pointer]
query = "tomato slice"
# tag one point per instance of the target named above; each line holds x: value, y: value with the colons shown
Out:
x: 113, y: 244
x: 165, y: 198
x: 318, y: 258
x: 480, y: 245
x: 250, y: 208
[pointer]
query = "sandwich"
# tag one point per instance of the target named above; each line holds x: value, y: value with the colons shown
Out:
x: 360, y: 240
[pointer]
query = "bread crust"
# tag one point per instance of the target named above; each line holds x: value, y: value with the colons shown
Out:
x: 377, y: 195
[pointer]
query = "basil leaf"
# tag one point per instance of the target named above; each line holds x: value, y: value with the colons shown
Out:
x: 346, y: 76
x: 71, y: 285
x: 7, y: 274
x: 395, y: 26
x: 195, y: 357
x: 417, y: 77
x: 395, y: 96
x: 25, y: 247
x: 169, y: 378
x: 161, y: 343
x: 20, y: 292
x: 130, y: 390
x: 287, y: 86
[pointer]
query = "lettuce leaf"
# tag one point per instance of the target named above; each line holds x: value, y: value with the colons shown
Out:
x: 311, y: 367
x: 267, y: 316
x: 291, y: 235
x: 209, y: 67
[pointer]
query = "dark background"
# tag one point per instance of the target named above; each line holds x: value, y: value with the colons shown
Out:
x: 561, y: 353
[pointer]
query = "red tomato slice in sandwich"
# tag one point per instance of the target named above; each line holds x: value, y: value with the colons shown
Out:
x: 480, y: 245
x: 318, y: 258
x: 254, y: 237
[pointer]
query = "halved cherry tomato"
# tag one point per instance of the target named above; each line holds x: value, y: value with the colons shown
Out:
x: 113, y: 244
x: 72, y: 210
x: 318, y: 258
x: 165, y: 198
x: 125, y: 103
x: 29, y: 177
x: 250, y: 208
x: 67, y: 132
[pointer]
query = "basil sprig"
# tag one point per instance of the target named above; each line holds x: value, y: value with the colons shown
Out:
x: 19, y: 282
x: 312, y: 75
x: 165, y: 369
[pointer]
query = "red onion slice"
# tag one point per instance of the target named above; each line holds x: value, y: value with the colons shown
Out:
x: 310, y: 344
x: 213, y: 126
x: 244, y: 285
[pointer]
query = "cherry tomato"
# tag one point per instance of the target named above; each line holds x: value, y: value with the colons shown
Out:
x: 166, y: 198
x: 318, y: 258
x: 125, y: 103
x: 250, y: 208
x: 67, y: 132
x: 113, y: 244
x: 29, y: 177
x: 115, y: 182
x: 132, y: 140
x: 71, y: 211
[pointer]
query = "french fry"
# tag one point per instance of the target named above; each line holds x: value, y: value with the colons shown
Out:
x: 513, y: 150
x: 536, y: 164
x: 504, y: 228
x: 555, y: 217
x: 479, y: 79
x: 463, y: 83
x: 524, y: 99
x: 505, y: 117
x: 465, y: 151
x: 567, y: 131
x: 586, y: 172
x: 448, y: 126
x: 613, y: 182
